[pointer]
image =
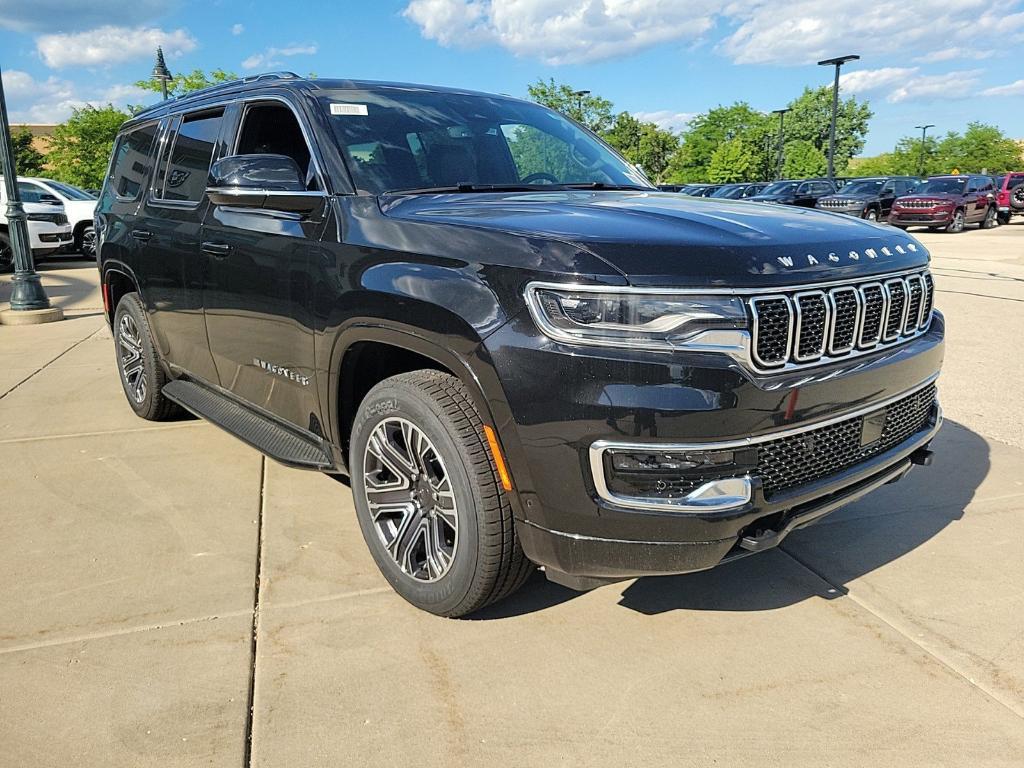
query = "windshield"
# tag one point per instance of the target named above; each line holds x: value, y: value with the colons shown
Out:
x: 729, y: 191
x: 780, y: 188
x: 865, y: 187
x: 74, y: 193
x: 405, y: 139
x: 955, y: 186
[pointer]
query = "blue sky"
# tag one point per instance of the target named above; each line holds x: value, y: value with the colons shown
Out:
x: 921, y: 60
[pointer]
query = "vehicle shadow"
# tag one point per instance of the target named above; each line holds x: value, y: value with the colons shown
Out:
x: 880, y: 528
x: 64, y: 289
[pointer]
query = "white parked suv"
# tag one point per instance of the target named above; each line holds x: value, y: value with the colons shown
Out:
x: 78, y: 204
x: 48, y: 226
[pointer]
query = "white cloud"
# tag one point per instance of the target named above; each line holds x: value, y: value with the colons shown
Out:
x: 237, y: 29
x: 951, y: 85
x: 111, y: 45
x: 53, y: 99
x: 756, y: 31
x: 954, y: 52
x: 272, y: 56
x: 562, y: 31
x: 870, y: 80
x: 74, y: 15
x: 1015, y: 88
x: 666, y: 119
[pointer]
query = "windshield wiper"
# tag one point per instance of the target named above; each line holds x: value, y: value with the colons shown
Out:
x: 467, y: 187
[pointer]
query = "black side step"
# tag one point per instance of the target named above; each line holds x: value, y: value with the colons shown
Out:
x: 265, y: 435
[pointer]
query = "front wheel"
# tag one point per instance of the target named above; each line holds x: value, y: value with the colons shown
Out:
x: 871, y: 214
x: 428, y: 497
x: 85, y: 242
x: 956, y: 224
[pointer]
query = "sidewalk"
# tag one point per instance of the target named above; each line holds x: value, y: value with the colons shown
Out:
x: 137, y: 559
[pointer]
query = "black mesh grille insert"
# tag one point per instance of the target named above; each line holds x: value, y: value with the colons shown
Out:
x: 897, y: 301
x: 929, y: 297
x: 874, y: 307
x: 818, y: 453
x: 913, y: 303
x: 772, y: 330
x: 844, y: 324
x: 813, y: 324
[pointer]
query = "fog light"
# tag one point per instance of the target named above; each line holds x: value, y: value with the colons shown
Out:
x: 671, y: 475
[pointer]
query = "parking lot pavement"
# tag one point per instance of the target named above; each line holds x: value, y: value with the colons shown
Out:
x: 131, y: 556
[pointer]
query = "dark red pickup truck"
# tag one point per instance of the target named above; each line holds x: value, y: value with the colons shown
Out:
x: 949, y: 203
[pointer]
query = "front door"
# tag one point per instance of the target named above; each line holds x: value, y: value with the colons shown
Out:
x: 258, y: 293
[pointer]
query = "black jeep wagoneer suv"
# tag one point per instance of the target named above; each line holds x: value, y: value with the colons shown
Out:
x: 516, y: 349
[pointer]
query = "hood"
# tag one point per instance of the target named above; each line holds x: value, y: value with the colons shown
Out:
x: 771, y: 198
x: 939, y: 196
x: 857, y: 196
x: 663, y: 239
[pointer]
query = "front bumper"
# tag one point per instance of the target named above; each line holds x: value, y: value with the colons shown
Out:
x: 920, y: 218
x: 46, y: 238
x: 565, y: 401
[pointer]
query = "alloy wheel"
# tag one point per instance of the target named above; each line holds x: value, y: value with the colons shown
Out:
x: 957, y: 224
x: 871, y: 215
x: 89, y: 242
x: 410, y: 498
x: 129, y: 346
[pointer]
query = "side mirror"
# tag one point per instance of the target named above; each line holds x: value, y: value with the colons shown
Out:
x: 273, y: 182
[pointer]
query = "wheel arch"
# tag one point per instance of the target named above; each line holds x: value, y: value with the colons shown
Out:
x: 117, y: 281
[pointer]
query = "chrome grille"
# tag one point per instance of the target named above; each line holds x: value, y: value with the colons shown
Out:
x: 919, y: 203
x: 818, y: 453
x: 808, y: 327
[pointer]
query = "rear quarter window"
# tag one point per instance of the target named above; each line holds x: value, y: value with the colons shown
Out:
x: 130, y: 167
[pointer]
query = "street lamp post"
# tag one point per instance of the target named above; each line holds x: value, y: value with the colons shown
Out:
x: 160, y: 71
x: 579, y: 102
x: 29, y: 302
x: 924, y: 133
x: 778, y: 162
x: 837, y: 63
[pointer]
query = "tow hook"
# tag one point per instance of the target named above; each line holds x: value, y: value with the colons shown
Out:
x: 922, y: 457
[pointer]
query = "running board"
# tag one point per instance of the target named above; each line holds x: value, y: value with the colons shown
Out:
x: 266, y: 435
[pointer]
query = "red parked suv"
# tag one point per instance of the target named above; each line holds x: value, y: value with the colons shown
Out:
x: 949, y: 203
x: 1010, y: 195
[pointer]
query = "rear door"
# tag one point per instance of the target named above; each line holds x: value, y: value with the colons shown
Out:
x: 169, y: 231
x: 258, y: 292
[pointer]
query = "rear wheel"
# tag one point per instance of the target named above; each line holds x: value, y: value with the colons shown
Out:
x: 956, y: 224
x: 6, y: 254
x: 428, y: 499
x: 989, y: 221
x: 138, y: 363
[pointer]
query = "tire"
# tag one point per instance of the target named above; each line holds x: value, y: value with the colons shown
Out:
x: 871, y: 214
x: 6, y: 254
x: 956, y: 224
x: 989, y: 222
x: 448, y: 494
x: 85, y: 242
x: 138, y: 363
x: 1017, y: 198
x: 1004, y: 218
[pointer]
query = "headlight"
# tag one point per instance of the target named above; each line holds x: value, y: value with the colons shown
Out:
x: 630, y: 318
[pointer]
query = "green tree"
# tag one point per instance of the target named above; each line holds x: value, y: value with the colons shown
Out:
x: 81, y: 147
x: 811, y: 114
x: 590, y: 110
x: 643, y: 144
x: 28, y: 160
x: 186, y: 82
x: 732, y: 161
x: 803, y: 160
x: 712, y: 129
x: 878, y: 165
x: 981, y: 149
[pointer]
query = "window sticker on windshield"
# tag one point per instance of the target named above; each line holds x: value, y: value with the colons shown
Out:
x: 348, y: 109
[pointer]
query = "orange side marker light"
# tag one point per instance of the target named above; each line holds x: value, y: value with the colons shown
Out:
x: 499, y: 460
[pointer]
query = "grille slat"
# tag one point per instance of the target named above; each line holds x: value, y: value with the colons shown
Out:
x: 804, y: 327
x: 803, y: 458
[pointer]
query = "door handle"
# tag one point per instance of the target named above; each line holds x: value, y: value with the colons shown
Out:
x: 141, y: 234
x: 219, y: 250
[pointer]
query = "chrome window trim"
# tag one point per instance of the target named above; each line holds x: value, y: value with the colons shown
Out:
x: 599, y: 447
x: 798, y: 325
x: 754, y: 326
x: 857, y: 314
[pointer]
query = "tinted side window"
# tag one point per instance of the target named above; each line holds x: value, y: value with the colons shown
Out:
x: 130, y: 169
x: 189, y: 164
